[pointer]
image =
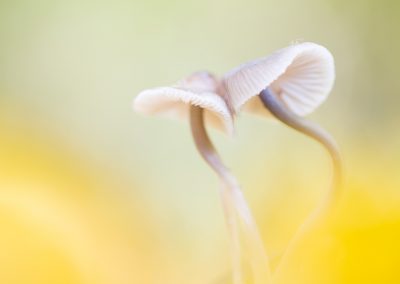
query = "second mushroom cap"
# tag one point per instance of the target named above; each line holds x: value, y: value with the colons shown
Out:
x: 199, y: 89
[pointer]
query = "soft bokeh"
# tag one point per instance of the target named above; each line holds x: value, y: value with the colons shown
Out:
x: 91, y: 192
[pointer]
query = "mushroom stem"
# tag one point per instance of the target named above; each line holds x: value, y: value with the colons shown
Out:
x: 234, y: 205
x: 280, y: 111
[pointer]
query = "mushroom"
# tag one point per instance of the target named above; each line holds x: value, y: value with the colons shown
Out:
x: 199, y: 98
x: 289, y: 84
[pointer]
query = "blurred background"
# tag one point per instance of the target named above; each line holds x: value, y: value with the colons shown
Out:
x: 91, y: 192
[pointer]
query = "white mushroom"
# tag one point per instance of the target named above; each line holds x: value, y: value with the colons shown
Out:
x: 290, y: 83
x: 191, y: 98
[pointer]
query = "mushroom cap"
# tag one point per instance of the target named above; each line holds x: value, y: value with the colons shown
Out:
x: 198, y: 89
x: 301, y: 75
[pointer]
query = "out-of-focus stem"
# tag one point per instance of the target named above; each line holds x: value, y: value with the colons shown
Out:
x: 234, y: 204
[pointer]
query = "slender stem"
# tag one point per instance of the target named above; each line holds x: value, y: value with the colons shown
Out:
x: 280, y: 111
x: 234, y: 203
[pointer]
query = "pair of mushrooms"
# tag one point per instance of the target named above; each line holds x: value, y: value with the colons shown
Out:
x: 289, y: 84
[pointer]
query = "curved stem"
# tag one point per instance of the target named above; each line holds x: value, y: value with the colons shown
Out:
x: 312, y: 130
x: 280, y: 111
x: 233, y: 203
